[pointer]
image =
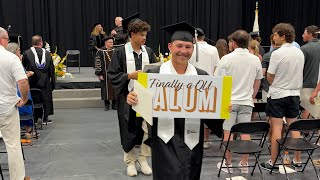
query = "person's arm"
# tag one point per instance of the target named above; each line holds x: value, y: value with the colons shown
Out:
x: 256, y: 86
x: 273, y: 66
x: 314, y: 93
x: 22, y: 81
x: 270, y: 78
x: 24, y: 88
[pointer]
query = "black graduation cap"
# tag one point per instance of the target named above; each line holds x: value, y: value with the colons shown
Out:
x: 254, y: 33
x: 96, y: 24
x: 107, y: 38
x: 128, y: 20
x: 180, y: 31
x: 200, y: 32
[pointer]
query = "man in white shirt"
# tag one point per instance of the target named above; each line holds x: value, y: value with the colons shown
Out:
x: 285, y: 74
x: 208, y: 59
x: 246, y: 72
x: 11, y: 74
x: 208, y: 56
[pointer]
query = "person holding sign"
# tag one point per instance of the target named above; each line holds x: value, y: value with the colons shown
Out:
x: 126, y: 62
x: 177, y: 143
x: 245, y: 85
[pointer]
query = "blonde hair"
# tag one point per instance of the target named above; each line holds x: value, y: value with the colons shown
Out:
x: 95, y: 31
x: 254, y: 45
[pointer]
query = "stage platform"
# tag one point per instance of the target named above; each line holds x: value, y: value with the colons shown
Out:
x: 86, y: 79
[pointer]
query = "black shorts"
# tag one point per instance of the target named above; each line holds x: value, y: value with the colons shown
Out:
x: 284, y: 107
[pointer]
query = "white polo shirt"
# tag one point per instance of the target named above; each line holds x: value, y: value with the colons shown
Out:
x: 244, y: 68
x: 208, y: 57
x: 11, y: 71
x: 286, y: 64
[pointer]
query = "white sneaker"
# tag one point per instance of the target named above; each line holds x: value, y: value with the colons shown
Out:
x: 244, y: 170
x: 224, y: 167
x: 207, y: 144
x: 145, y: 168
x: 131, y: 170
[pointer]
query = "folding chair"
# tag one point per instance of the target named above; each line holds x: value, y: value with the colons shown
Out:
x: 259, y: 107
x: 246, y: 146
x: 37, y: 98
x: 73, y: 57
x: 299, y: 144
x: 25, y: 117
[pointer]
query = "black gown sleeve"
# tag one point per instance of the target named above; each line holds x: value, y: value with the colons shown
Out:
x: 52, y: 74
x: 98, y: 63
x: 152, y: 56
x: 117, y: 72
x: 92, y: 43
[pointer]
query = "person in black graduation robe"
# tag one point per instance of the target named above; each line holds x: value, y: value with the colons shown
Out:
x: 174, y: 159
x: 96, y: 40
x: 120, y: 37
x: 43, y: 78
x: 177, y: 161
x: 102, y: 62
x: 131, y: 131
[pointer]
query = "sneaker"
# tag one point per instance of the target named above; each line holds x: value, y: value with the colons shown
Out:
x: 145, y: 168
x: 207, y: 144
x: 268, y: 166
x: 131, y: 170
x: 296, y: 164
x: 48, y: 121
x: 224, y: 167
x: 316, y: 162
x: 244, y: 170
x: 106, y: 108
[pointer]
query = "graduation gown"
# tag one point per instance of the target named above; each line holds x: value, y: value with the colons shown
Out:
x: 43, y: 79
x: 120, y: 37
x: 174, y: 160
x: 131, y: 131
x: 102, y: 62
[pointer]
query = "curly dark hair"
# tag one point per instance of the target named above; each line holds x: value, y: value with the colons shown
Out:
x: 138, y: 26
x: 312, y: 30
x: 241, y: 37
x: 285, y: 29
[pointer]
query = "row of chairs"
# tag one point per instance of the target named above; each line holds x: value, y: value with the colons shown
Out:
x: 261, y: 128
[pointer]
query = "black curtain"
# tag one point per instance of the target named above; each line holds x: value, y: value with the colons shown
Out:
x: 67, y: 24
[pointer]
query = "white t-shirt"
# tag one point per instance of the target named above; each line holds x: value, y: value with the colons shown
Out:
x: 244, y: 68
x: 11, y: 71
x: 286, y: 64
x: 208, y: 57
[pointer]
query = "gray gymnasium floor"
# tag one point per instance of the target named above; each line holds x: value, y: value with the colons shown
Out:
x: 84, y: 144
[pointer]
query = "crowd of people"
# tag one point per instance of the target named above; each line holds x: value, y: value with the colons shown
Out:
x: 286, y: 75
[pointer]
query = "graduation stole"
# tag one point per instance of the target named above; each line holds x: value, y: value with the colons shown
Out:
x: 131, y: 63
x: 36, y: 58
x: 166, y: 124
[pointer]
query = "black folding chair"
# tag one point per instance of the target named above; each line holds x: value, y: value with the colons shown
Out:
x: 37, y: 98
x: 25, y: 117
x: 299, y: 144
x: 246, y: 146
x: 259, y: 107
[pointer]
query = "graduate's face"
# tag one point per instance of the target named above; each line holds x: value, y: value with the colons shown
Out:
x: 181, y: 51
x: 139, y: 37
x: 109, y: 43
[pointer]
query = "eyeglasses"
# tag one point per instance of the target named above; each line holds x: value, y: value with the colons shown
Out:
x: 7, y: 39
